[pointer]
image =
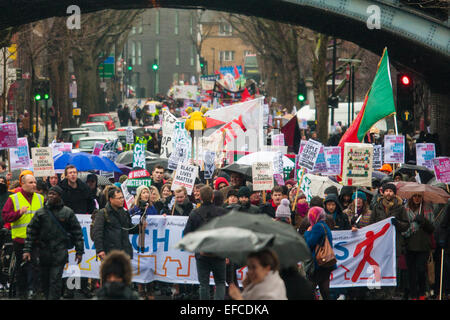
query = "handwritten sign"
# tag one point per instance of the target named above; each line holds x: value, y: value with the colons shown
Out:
x: 8, y: 135
x: 43, y: 162
x: 20, y: 156
x: 309, y: 154
x: 394, y: 149
x: 333, y: 160
x: 357, y: 165
x: 262, y: 173
x: 185, y: 177
x: 425, y: 153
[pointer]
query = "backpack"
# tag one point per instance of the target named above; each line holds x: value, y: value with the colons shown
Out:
x: 91, y: 230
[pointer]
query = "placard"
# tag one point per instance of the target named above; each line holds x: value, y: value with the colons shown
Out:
x: 61, y: 147
x: 130, y: 136
x: 209, y: 157
x: 97, y: 148
x: 333, y: 160
x: 321, y: 165
x: 441, y: 167
x: 19, y: 157
x: 168, y: 127
x: 377, y: 156
x: 129, y: 198
x: 278, y: 168
x: 185, y: 177
x: 303, y: 124
x: 357, y: 165
x: 8, y: 135
x: 262, y: 173
x: 309, y: 154
x: 425, y: 153
x: 43, y: 162
x: 180, y: 155
x: 139, y: 155
x: 394, y: 149
x: 278, y: 139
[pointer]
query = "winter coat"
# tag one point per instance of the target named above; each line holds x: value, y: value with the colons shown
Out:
x: 183, y: 209
x: 364, y: 221
x: 271, y: 288
x: 202, y: 215
x: 269, y: 208
x: 315, y: 236
x: 48, y: 236
x: 444, y: 231
x: 116, y: 291
x: 249, y: 208
x: 111, y: 232
x: 398, y: 212
x: 297, y: 286
x: 80, y: 199
x: 340, y: 219
x: 420, y: 240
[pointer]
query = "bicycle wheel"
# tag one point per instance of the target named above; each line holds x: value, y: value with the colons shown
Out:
x: 12, y: 277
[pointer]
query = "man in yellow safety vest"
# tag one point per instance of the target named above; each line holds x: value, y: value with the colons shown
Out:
x: 19, y: 209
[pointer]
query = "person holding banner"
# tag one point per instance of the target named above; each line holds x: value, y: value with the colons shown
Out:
x: 333, y: 209
x: 359, y: 217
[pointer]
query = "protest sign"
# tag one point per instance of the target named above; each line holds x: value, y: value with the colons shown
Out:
x: 168, y: 128
x: 425, y: 153
x: 441, y: 168
x: 394, y: 149
x: 377, y: 156
x: 60, y: 148
x: 19, y: 157
x: 357, y: 165
x: 321, y: 165
x: 180, y: 155
x: 305, y: 187
x: 8, y: 135
x: 333, y: 160
x: 111, y: 155
x: 309, y: 154
x: 185, y: 177
x: 262, y: 173
x: 139, y: 155
x: 303, y: 124
x: 43, y: 162
x: 129, y: 198
x: 97, y: 148
x: 209, y: 157
x: 278, y: 166
x: 278, y: 139
x: 185, y: 92
x: 130, y: 136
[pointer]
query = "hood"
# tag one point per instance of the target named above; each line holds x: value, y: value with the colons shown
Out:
x: 346, y: 190
x: 334, y: 198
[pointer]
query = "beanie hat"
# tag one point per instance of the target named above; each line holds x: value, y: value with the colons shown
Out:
x: 283, y: 210
x: 219, y: 181
x: 244, y: 192
x: 390, y: 186
x: 118, y: 185
x: 232, y: 192
x: 360, y: 194
x: 57, y: 189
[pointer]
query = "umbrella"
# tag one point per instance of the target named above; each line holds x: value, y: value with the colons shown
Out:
x: 289, y: 245
x: 318, y: 184
x: 101, y: 180
x: 150, y: 163
x: 263, y: 156
x: 126, y: 157
x: 85, y: 162
x: 424, y: 173
x: 228, y: 242
x: 243, y: 169
x: 430, y: 193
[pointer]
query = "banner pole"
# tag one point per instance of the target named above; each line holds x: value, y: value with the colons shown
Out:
x: 442, y: 269
x: 298, y: 189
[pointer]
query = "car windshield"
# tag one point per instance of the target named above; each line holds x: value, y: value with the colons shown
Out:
x: 97, y: 128
x: 99, y: 118
x: 77, y: 136
x: 89, y: 144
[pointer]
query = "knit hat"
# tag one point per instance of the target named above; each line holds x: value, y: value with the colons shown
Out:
x: 232, y: 192
x: 219, y: 181
x: 56, y: 189
x: 291, y: 182
x: 386, y: 167
x: 244, y: 192
x: 283, y: 210
x: 361, y: 195
x: 390, y: 186
x: 316, y: 214
x: 118, y: 185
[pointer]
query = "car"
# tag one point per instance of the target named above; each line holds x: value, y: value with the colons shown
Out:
x: 66, y: 133
x: 106, y: 118
x: 87, y: 144
x: 95, y: 126
x: 74, y: 136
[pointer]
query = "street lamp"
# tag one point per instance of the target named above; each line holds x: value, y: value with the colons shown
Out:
x: 351, y: 86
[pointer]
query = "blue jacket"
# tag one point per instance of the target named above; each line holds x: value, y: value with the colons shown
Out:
x: 151, y: 210
x: 315, y: 236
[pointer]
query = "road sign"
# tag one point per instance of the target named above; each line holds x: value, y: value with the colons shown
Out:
x: 76, y: 111
x: 407, y: 115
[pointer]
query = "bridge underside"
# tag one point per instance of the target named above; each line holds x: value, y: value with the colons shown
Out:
x: 404, y: 53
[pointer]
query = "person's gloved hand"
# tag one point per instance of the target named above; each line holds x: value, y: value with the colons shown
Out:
x: 394, y: 221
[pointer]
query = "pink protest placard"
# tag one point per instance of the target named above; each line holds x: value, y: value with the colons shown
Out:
x: 442, y: 169
x: 8, y: 135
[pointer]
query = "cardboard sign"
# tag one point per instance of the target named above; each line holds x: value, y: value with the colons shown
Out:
x: 309, y: 154
x: 377, y: 156
x: 394, y: 149
x: 357, y: 165
x: 139, y: 155
x: 185, y: 177
x: 441, y: 168
x: 262, y: 173
x: 333, y: 160
x: 8, y: 135
x: 43, y: 162
x: 425, y: 153
x: 19, y: 157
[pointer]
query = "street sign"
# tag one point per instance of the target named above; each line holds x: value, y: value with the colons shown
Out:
x: 406, y: 115
x: 106, y: 68
x: 76, y: 111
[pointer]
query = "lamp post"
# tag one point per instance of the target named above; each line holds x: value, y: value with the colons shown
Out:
x: 351, y: 86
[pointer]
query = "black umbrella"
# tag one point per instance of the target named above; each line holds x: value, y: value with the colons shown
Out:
x: 126, y: 157
x: 150, y: 163
x: 243, y: 169
x: 410, y: 169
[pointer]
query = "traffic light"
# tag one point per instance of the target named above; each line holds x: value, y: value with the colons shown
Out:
x: 129, y: 65
x: 405, y: 100
x: 18, y: 74
x: 203, y: 65
x: 155, y: 66
x: 41, y: 90
x: 301, y: 91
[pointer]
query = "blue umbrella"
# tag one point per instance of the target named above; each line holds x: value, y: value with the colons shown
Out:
x: 85, y: 162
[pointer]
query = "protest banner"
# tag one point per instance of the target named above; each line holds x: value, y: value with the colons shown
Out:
x: 309, y: 154
x: 262, y: 173
x: 19, y: 157
x: 130, y: 136
x: 8, y: 135
x: 185, y: 177
x: 97, y: 148
x: 366, y: 257
x: 139, y: 155
x: 43, y: 162
x: 394, y: 149
x: 377, y: 156
x: 441, y: 168
x: 425, y: 153
x: 333, y: 160
x: 357, y: 164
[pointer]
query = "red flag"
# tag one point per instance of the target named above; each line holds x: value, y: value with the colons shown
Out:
x: 246, y: 95
x: 292, y: 135
x: 236, y: 73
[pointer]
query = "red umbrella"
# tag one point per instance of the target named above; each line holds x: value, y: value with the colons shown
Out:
x: 430, y: 193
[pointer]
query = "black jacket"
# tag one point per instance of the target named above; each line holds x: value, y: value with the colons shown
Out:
x: 116, y: 291
x: 80, y: 199
x: 183, y: 209
x: 341, y: 220
x: 249, y: 208
x: 45, y: 233
x: 111, y: 232
x: 444, y: 231
x: 202, y: 215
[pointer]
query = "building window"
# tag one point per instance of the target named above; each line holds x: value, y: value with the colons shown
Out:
x: 177, y: 58
x: 192, y: 61
x: 247, y: 53
x: 140, y: 28
x: 225, y: 29
x: 157, y: 22
x: 226, y: 56
x: 177, y: 23
x: 133, y: 53
x: 191, y: 24
x: 139, y: 53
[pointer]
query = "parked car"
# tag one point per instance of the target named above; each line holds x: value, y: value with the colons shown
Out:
x: 95, y: 126
x: 67, y: 132
x: 106, y: 118
x: 75, y: 136
x: 87, y: 144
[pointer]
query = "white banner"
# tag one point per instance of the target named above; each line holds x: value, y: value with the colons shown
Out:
x: 168, y: 127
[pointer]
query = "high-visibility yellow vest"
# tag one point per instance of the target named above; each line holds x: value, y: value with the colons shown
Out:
x: 19, y: 227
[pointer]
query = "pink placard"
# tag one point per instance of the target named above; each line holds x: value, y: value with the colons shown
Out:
x: 8, y: 135
x: 442, y: 169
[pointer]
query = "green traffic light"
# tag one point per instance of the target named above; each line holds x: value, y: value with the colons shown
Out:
x: 46, y: 96
x: 37, y: 97
x: 301, y: 97
x: 130, y: 68
x: 155, y: 67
